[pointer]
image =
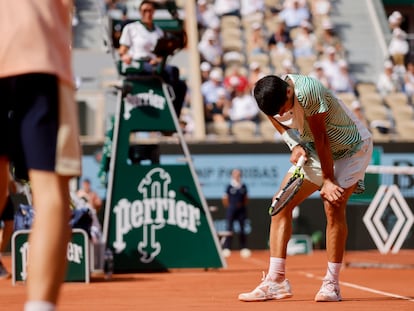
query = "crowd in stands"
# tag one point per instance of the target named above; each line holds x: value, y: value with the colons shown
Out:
x: 240, y: 41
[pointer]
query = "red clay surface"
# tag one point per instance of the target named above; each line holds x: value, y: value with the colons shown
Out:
x: 370, y: 281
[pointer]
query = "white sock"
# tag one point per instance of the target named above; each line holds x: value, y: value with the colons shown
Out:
x: 332, y: 273
x: 39, y: 306
x: 276, y: 269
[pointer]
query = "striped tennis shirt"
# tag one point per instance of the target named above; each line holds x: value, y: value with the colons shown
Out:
x: 344, y: 130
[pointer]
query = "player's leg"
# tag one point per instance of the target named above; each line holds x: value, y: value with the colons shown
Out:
x: 336, y: 235
x: 49, y: 235
x: 274, y: 285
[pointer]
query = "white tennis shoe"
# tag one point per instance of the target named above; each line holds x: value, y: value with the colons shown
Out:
x: 329, y: 292
x: 268, y: 290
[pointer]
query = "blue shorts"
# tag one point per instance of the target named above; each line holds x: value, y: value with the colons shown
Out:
x: 30, y: 119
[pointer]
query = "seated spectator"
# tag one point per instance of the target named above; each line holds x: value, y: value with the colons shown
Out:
x: 304, y: 44
x: 138, y: 41
x: 252, y: 9
x: 344, y: 82
x: 388, y: 81
x: 244, y: 107
x: 255, y: 74
x: 280, y: 41
x: 211, y: 87
x: 210, y: 48
x: 330, y: 64
x: 395, y: 20
x: 256, y: 43
x: 409, y: 81
x: 205, y: 68
x: 235, y: 80
x: 294, y: 15
x: 319, y: 74
x: 89, y: 196
x: 218, y: 112
x: 320, y: 9
x: 206, y: 17
x: 327, y: 38
x: 288, y: 67
x: 398, y: 47
x: 227, y: 7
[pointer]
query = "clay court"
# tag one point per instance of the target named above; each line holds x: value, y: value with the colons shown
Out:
x: 369, y: 281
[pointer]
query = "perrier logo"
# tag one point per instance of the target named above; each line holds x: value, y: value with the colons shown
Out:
x: 157, y: 208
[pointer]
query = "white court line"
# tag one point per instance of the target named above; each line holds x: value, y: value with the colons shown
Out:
x: 367, y: 289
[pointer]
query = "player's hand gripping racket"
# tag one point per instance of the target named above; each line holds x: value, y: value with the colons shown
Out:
x: 289, y: 190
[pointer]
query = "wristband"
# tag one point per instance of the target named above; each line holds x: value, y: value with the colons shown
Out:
x: 291, y: 138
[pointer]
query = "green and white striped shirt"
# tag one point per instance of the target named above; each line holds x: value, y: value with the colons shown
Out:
x: 344, y: 130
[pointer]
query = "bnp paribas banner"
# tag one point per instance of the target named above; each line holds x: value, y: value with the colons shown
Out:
x: 156, y: 216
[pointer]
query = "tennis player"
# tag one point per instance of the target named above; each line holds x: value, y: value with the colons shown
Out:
x: 337, y: 148
x: 39, y: 128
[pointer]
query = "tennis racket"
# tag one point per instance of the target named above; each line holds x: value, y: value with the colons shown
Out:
x: 289, y: 190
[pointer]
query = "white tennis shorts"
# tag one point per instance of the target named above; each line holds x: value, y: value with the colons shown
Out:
x: 347, y: 170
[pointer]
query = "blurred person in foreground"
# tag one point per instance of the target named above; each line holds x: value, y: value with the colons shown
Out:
x: 337, y: 148
x: 40, y: 132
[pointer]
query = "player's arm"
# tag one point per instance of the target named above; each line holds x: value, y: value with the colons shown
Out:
x: 291, y: 138
x: 330, y: 190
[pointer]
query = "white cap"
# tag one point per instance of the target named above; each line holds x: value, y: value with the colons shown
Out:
x: 256, y: 26
x: 221, y: 92
x: 388, y: 64
x: 356, y: 104
x: 306, y: 24
x: 327, y: 24
x: 287, y: 63
x: 317, y: 65
x: 330, y: 50
x: 254, y: 66
x: 205, y: 66
x: 202, y: 2
x: 234, y: 81
x: 342, y: 63
x: 216, y: 74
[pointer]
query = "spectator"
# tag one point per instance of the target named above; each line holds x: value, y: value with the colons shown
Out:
x: 227, y: 7
x: 235, y: 200
x: 409, y: 81
x: 210, y: 88
x: 280, y: 41
x: 210, y: 48
x: 243, y: 107
x: 218, y: 112
x: 330, y: 65
x: 205, y: 68
x: 138, y: 41
x: 252, y: 9
x: 319, y: 74
x: 343, y: 82
x: 304, y: 44
x: 388, y: 81
x: 256, y: 43
x: 255, y: 74
x: 320, y: 9
x: 90, y: 197
x: 206, y: 17
x: 294, y: 15
x: 235, y: 80
x: 398, y: 47
x: 356, y: 108
x: 395, y: 20
x: 328, y: 38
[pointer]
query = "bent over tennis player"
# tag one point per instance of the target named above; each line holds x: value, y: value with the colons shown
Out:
x: 337, y: 147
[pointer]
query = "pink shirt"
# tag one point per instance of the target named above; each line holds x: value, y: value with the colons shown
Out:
x: 36, y: 37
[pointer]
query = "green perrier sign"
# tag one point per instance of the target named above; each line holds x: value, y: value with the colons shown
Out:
x: 156, y: 216
x: 77, y: 256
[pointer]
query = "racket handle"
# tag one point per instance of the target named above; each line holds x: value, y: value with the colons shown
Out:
x: 301, y: 161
